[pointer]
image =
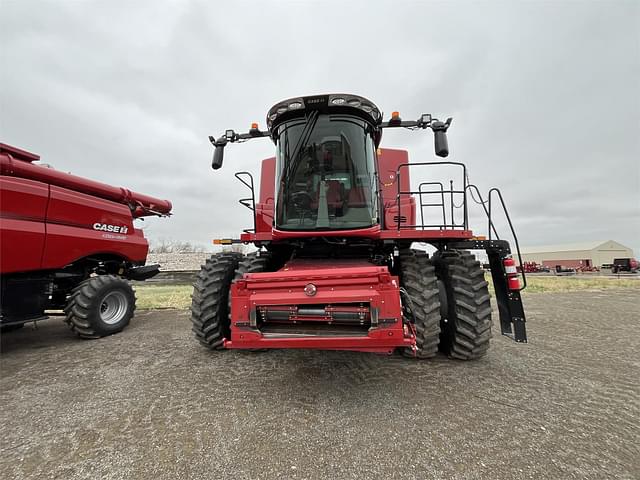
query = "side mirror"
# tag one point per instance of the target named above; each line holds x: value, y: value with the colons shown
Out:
x: 218, y: 156
x: 440, y: 142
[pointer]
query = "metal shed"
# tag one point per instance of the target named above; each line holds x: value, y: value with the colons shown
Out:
x: 594, y: 253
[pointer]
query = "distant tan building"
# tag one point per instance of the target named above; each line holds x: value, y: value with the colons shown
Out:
x: 577, y: 254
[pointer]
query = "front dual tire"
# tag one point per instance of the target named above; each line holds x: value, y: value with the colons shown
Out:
x: 211, y: 302
x: 445, y: 298
x: 449, y: 304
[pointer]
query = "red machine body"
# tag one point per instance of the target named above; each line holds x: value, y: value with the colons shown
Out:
x: 357, y: 303
x: 389, y: 162
x: 50, y: 219
x: 68, y: 246
x: 334, y: 223
x: 341, y: 285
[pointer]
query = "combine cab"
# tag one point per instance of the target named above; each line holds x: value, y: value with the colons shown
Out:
x: 334, y: 225
x: 68, y: 247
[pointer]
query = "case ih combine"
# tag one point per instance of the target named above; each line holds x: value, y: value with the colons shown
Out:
x: 68, y: 243
x: 334, y: 224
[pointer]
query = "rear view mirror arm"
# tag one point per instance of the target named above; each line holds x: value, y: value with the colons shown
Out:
x: 231, y: 136
x: 425, y: 121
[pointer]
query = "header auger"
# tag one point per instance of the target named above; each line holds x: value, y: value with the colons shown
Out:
x: 334, y: 225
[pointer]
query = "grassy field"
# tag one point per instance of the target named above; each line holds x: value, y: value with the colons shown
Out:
x: 163, y: 296
x: 179, y: 296
x: 575, y: 284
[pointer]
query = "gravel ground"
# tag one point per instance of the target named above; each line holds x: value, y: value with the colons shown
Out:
x: 151, y: 403
x: 178, y: 261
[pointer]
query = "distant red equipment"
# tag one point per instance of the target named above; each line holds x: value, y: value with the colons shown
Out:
x: 69, y: 243
x: 533, y: 267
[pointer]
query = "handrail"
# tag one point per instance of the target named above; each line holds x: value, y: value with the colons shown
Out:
x: 463, y: 191
x: 245, y: 201
x: 513, y: 232
x: 482, y: 202
x: 486, y: 206
x: 421, y: 192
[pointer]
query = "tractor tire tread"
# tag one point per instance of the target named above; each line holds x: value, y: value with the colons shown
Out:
x: 467, y: 332
x: 209, y: 300
x: 418, y: 279
x: 80, y: 311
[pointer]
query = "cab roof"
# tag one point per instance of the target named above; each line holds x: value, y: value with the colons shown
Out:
x: 331, y: 103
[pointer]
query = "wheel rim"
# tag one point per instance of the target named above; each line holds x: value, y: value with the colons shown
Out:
x: 114, y: 307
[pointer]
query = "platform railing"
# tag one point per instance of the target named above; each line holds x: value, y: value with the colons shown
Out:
x: 494, y: 195
x: 442, y: 204
x: 464, y: 225
x: 492, y: 232
x: 249, y: 202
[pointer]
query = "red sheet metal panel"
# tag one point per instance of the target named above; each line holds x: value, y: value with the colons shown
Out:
x: 23, y: 207
x: 11, y: 165
x: 74, y: 222
x: 335, y: 284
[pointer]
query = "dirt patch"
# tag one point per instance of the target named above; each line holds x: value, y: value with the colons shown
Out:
x: 152, y: 403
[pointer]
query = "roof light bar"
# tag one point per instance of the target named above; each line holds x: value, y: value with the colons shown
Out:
x: 325, y: 103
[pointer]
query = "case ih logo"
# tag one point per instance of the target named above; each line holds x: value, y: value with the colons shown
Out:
x: 109, y: 228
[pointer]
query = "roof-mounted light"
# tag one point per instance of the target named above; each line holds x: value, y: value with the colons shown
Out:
x: 323, y: 103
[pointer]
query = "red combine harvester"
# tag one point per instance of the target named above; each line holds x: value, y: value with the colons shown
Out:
x: 69, y: 243
x: 334, y: 225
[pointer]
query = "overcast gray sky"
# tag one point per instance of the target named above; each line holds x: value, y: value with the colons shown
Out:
x: 545, y: 97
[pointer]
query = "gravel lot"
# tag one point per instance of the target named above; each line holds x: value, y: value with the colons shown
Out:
x: 151, y: 403
x: 178, y: 261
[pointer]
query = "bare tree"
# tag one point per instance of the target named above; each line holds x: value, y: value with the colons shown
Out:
x: 172, y: 246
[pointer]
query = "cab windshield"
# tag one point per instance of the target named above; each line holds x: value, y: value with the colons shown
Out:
x: 325, y: 174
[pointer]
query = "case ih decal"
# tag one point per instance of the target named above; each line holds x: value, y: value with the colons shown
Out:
x: 110, y: 228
